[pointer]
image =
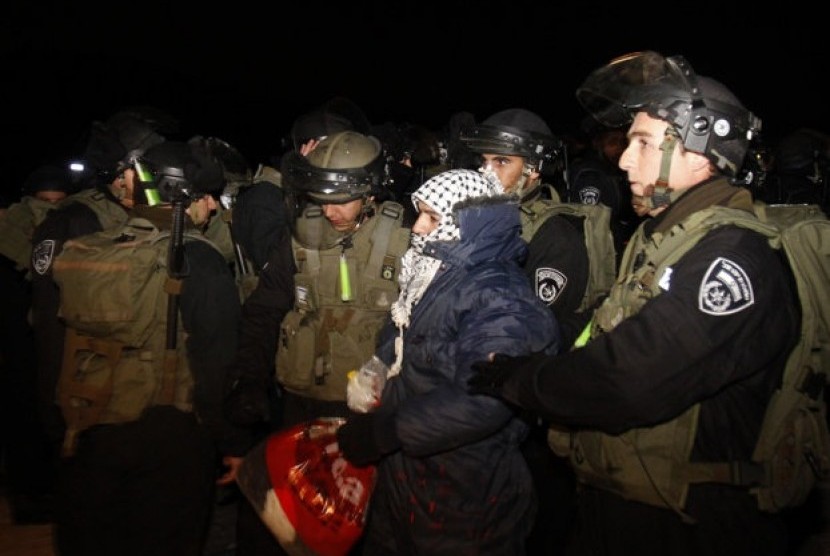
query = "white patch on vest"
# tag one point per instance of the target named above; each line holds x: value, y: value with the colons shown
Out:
x: 42, y: 256
x: 589, y: 195
x: 665, y: 279
x: 301, y: 295
x: 549, y: 284
x: 725, y: 289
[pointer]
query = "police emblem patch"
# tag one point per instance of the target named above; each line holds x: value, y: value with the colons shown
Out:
x: 42, y: 256
x: 549, y: 284
x: 589, y: 195
x: 725, y: 289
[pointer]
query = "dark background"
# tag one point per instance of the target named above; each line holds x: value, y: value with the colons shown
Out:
x: 243, y: 71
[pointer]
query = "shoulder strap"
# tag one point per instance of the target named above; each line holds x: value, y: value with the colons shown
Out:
x: 389, y: 218
x: 109, y: 213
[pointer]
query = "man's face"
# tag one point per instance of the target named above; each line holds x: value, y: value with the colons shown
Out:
x: 123, y: 187
x: 427, y: 221
x: 508, y: 168
x: 201, y: 209
x: 343, y: 217
x: 50, y: 196
x: 642, y: 159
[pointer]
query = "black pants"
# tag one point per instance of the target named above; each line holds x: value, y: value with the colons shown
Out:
x: 138, y: 488
x: 555, y: 492
x: 26, y: 451
x: 727, y: 522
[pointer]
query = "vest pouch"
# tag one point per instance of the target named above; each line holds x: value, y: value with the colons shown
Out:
x: 93, y: 391
x: 646, y: 465
x: 131, y: 385
x: 560, y: 441
x: 793, y: 470
x: 350, y: 345
x: 127, y: 278
x: 296, y: 352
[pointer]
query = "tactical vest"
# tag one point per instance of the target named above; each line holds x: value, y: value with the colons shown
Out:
x: 652, y: 465
x: 114, y: 295
x: 596, y: 233
x: 17, y: 226
x: 325, y: 337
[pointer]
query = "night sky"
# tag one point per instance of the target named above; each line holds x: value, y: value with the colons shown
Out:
x: 244, y: 71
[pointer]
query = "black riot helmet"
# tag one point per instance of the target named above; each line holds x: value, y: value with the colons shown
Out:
x: 345, y: 166
x: 176, y: 170
x: 235, y: 166
x: 513, y: 132
x: 707, y: 117
x: 335, y: 115
x: 115, y: 143
x: 48, y: 177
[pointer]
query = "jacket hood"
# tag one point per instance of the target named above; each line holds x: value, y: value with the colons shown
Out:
x: 490, y: 230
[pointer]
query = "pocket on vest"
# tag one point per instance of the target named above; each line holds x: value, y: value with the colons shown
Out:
x: 296, y: 353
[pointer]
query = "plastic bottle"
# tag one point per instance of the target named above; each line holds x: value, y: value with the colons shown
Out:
x: 365, y: 386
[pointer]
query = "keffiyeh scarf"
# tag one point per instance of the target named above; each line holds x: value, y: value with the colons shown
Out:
x: 441, y: 193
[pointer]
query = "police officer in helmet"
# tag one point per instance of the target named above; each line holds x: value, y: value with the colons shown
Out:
x: 515, y: 145
x: 682, y: 360
x: 113, y: 146
x: 321, y: 299
x: 143, y: 484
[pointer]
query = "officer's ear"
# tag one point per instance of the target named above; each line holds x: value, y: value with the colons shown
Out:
x: 698, y: 162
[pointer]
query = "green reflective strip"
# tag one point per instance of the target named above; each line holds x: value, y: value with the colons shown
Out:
x: 345, y: 281
x: 153, y: 197
x: 584, y: 336
x: 144, y: 173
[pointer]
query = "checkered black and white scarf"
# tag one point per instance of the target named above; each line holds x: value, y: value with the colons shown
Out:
x: 441, y: 193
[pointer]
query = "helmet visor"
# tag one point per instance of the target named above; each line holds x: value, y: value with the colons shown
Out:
x: 665, y: 87
x: 325, y: 186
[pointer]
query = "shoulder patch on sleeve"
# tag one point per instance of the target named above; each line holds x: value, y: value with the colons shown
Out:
x: 42, y: 256
x: 725, y: 289
x: 549, y: 284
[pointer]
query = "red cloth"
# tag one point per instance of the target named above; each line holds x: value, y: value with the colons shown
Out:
x: 324, y: 496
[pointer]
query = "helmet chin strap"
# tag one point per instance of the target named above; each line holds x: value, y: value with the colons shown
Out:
x: 365, y: 210
x: 660, y: 194
x: 519, y: 189
x: 527, y: 169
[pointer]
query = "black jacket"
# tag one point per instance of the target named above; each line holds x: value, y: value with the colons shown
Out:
x: 671, y: 355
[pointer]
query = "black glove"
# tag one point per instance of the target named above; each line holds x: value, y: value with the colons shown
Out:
x: 491, y: 375
x: 247, y: 403
x: 366, y: 437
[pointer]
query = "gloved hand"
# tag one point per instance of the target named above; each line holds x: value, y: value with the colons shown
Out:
x: 491, y: 375
x: 365, y: 437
